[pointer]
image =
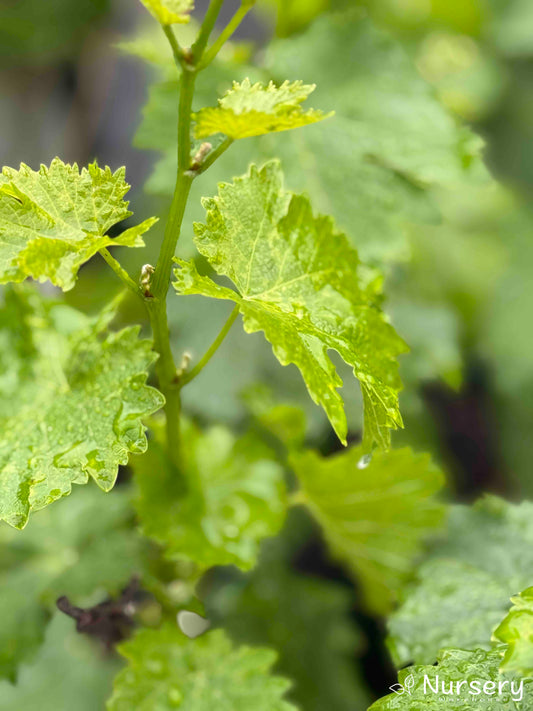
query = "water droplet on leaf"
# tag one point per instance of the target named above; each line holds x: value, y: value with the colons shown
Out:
x: 364, y: 461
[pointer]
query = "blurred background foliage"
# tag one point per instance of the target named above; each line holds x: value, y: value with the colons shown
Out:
x: 458, y: 278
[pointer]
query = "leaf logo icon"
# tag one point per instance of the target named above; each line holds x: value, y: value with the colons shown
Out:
x: 406, y: 687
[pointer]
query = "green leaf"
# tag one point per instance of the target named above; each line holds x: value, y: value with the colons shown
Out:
x: 234, y: 496
x: 156, y: 130
x: 516, y: 630
x: 170, y: 12
x: 368, y: 77
x: 255, y: 109
x: 374, y: 164
x: 300, y: 282
x: 69, y: 672
x: 463, y: 589
x: 456, y: 666
x: 82, y: 550
x: 71, y: 403
x: 242, y: 361
x: 305, y: 619
x: 54, y: 220
x: 167, y: 670
x: 376, y: 514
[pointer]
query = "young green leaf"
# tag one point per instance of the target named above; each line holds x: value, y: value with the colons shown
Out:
x: 300, y: 283
x: 375, y: 514
x: 463, y: 588
x: 516, y: 630
x: 167, y: 670
x: 456, y: 671
x: 255, y: 109
x: 77, y: 550
x: 71, y: 404
x: 170, y: 12
x: 235, y: 496
x: 55, y: 219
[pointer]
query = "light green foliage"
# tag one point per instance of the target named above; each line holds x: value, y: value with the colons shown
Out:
x: 457, y: 665
x: 375, y: 515
x: 78, y: 405
x: 463, y: 589
x: 84, y: 549
x: 304, y: 618
x: 242, y: 360
x: 359, y: 166
x: 73, y: 395
x: 254, y: 109
x: 69, y: 672
x: 166, y: 671
x: 55, y: 219
x: 516, y: 630
x: 234, y: 496
x: 169, y: 12
x: 397, y: 119
x: 157, y: 130
x: 300, y: 282
x: 390, y: 140
x: 240, y: 363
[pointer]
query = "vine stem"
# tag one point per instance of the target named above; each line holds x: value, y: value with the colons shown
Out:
x: 226, y: 33
x: 155, y: 293
x: 166, y: 372
x: 166, y: 369
x: 207, y: 27
x: 154, y: 296
x: 176, y: 49
x: 157, y: 309
x: 120, y: 272
x: 187, y: 377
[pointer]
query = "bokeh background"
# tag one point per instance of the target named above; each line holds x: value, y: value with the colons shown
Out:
x: 462, y: 297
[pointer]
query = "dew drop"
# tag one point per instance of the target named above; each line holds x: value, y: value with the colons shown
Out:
x: 364, y: 461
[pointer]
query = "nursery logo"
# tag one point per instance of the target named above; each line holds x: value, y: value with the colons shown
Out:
x: 458, y: 689
x: 404, y: 688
